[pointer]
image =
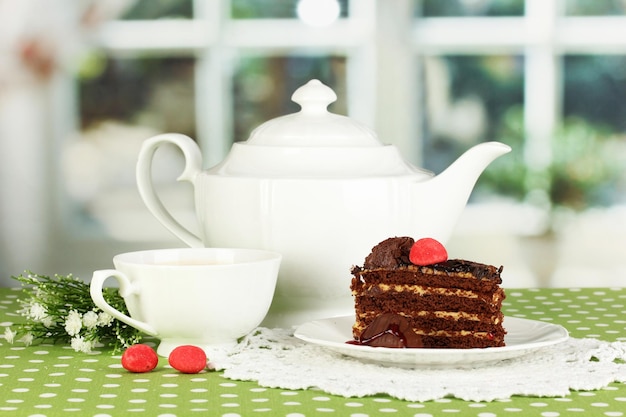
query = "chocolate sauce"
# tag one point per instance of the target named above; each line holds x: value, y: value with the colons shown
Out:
x: 389, y: 330
x: 376, y: 340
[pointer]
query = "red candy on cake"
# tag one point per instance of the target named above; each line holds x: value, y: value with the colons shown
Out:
x: 188, y: 359
x: 427, y: 251
x: 139, y: 358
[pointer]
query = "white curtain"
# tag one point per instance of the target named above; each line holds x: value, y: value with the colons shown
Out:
x: 39, y: 39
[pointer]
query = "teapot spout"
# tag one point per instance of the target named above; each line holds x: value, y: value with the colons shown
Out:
x: 448, y: 192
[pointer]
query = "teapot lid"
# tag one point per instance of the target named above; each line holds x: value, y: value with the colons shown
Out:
x: 314, y: 143
x: 313, y: 125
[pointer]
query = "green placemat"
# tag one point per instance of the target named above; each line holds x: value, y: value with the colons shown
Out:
x: 53, y: 380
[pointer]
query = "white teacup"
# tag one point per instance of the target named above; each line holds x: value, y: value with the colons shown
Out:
x: 197, y: 296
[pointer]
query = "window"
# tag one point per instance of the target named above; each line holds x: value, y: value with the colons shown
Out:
x: 431, y: 77
x: 530, y: 74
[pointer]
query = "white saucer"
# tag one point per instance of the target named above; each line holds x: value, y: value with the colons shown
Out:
x: 523, y: 336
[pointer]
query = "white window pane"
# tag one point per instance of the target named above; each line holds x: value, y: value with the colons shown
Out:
x: 151, y: 92
x: 472, y: 99
x: 594, y: 8
x: 159, y: 9
x: 275, y: 9
x: 263, y: 86
x: 122, y: 102
x: 438, y: 8
x: 590, y: 146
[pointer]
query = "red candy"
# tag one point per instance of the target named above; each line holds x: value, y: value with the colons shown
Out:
x: 139, y: 358
x: 427, y: 251
x: 188, y: 359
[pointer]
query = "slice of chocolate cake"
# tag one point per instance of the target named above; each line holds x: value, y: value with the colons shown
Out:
x: 448, y: 304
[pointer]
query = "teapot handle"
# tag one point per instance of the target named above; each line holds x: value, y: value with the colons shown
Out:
x: 193, y: 166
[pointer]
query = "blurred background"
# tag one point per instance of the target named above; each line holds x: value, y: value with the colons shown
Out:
x: 83, y: 83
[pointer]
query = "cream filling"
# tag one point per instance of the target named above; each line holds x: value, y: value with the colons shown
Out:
x: 444, y: 333
x: 421, y: 290
x: 456, y: 315
x: 457, y: 333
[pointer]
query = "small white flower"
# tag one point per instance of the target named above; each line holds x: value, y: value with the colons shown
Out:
x: 27, y: 339
x: 73, y: 323
x: 37, y: 312
x: 9, y: 335
x: 90, y: 319
x: 40, y: 292
x: 48, y: 322
x: 79, y: 344
x: 104, y: 319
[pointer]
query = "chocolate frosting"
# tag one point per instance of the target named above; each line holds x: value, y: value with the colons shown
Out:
x: 390, y: 253
x: 393, y: 253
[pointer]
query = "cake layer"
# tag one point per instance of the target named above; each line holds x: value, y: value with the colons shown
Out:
x: 431, y: 324
x: 455, y: 335
x: 433, y: 276
x: 486, y: 323
x: 462, y: 342
x: 392, y: 301
x: 375, y: 289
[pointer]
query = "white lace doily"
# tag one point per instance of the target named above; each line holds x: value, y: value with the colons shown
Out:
x: 274, y: 358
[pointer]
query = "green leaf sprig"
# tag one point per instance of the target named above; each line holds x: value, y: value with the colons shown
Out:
x: 60, y: 309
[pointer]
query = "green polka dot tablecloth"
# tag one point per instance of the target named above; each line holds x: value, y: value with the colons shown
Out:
x: 54, y: 380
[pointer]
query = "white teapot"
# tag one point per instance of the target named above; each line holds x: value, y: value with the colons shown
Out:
x: 320, y: 189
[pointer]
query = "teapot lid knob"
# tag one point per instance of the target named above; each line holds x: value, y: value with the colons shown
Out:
x: 313, y: 125
x: 314, y: 97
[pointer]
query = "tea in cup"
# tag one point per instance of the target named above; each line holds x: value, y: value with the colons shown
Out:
x: 192, y: 296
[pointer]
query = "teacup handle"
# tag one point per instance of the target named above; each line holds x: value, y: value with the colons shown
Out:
x: 126, y: 288
x: 193, y: 166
